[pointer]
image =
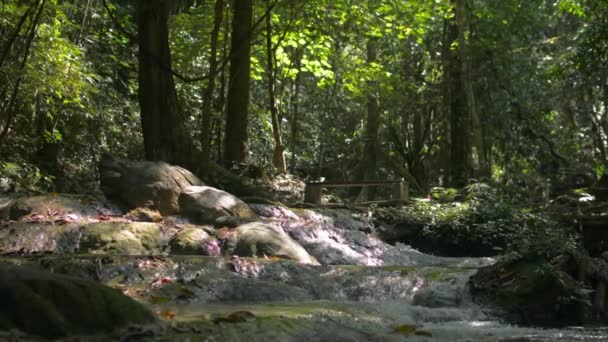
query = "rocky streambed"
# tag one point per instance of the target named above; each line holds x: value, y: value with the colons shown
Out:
x: 225, y: 270
x: 359, y: 288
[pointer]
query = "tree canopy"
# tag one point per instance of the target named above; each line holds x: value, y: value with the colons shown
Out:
x: 436, y: 92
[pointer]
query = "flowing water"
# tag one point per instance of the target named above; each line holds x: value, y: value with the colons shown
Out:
x: 442, y: 308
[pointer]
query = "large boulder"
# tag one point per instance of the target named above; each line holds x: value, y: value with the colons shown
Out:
x: 258, y: 239
x: 205, y: 204
x: 52, y: 305
x: 145, y: 184
x: 531, y: 291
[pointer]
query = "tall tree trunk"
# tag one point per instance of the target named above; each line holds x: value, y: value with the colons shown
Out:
x: 235, y: 139
x: 207, y: 112
x: 445, y: 158
x: 163, y: 124
x: 369, y: 162
x: 463, y: 12
x: 295, y: 102
x: 48, y: 147
x: 220, y: 104
x: 460, y: 163
x: 278, y: 155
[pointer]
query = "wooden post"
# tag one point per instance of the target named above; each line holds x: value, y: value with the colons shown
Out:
x: 401, y: 191
x: 312, y: 193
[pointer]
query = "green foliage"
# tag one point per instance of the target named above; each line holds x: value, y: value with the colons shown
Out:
x: 487, y: 222
x: 25, y: 177
x: 443, y: 195
x: 539, y: 85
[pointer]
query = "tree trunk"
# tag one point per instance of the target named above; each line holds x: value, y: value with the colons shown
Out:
x: 460, y: 164
x: 235, y: 139
x: 207, y: 113
x: 295, y: 102
x: 164, y: 131
x: 463, y: 13
x: 220, y: 104
x: 369, y: 161
x: 278, y: 155
x: 47, y: 154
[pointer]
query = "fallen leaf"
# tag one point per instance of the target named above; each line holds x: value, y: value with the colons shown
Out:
x: 160, y: 281
x: 167, y: 314
x: 406, y: 329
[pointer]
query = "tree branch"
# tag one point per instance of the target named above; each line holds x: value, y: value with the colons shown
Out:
x: 168, y: 68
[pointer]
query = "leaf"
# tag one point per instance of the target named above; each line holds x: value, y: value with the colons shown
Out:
x: 167, y: 314
x: 406, y: 329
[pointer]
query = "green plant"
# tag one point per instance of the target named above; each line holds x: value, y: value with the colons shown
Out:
x: 25, y: 177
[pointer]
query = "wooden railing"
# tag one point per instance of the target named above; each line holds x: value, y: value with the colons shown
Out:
x: 313, y: 190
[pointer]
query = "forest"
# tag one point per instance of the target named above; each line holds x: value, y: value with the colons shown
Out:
x: 286, y: 170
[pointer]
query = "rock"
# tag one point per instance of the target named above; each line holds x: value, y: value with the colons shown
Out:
x: 52, y: 208
x: 231, y: 221
x: 194, y: 241
x: 6, y: 202
x: 154, y: 185
x: 530, y: 291
x: 52, y: 305
x: 144, y: 215
x: 258, y: 239
x: 34, y: 238
x: 6, y: 185
x: 122, y: 238
x: 205, y: 204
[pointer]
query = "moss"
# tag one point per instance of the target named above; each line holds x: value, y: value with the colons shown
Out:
x: 121, y: 238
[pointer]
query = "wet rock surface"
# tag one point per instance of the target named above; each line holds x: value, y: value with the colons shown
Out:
x: 192, y: 279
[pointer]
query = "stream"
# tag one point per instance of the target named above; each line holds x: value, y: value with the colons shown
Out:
x: 363, y: 290
x: 441, y: 307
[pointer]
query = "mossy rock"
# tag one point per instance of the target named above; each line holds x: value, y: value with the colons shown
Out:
x: 530, y: 291
x: 194, y: 241
x: 144, y: 215
x: 123, y: 238
x: 52, y: 305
